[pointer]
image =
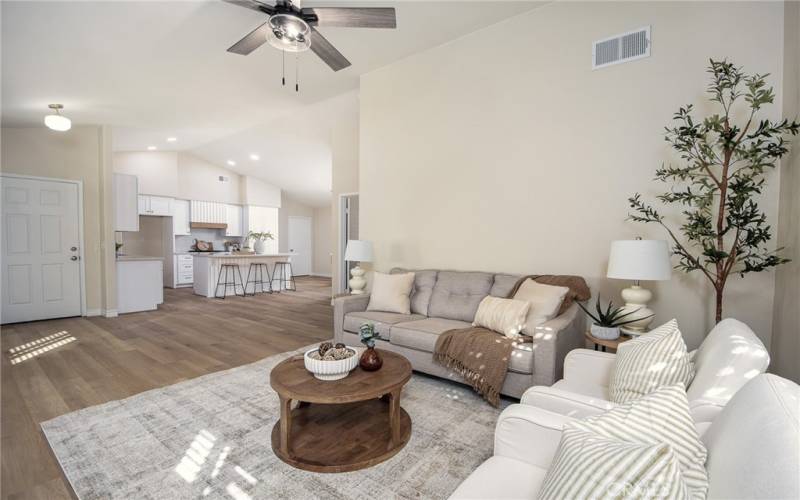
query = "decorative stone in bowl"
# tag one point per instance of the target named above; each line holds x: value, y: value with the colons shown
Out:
x: 329, y: 362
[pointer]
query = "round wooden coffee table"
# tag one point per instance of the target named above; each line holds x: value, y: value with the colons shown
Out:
x: 340, y: 425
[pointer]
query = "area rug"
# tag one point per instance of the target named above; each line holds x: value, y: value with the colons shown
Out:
x: 210, y: 438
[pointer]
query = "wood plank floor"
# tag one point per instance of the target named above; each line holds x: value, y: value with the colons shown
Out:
x: 54, y: 367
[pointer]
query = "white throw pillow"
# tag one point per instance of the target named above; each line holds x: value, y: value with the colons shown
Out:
x: 648, y: 448
x: 391, y: 293
x: 652, y: 360
x: 506, y: 316
x: 545, y: 301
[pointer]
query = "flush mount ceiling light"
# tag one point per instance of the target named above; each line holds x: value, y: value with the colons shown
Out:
x: 254, y: 157
x: 151, y: 148
x: 231, y: 163
x: 172, y: 139
x: 55, y: 121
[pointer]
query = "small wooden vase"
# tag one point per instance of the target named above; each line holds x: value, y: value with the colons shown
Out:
x: 370, y: 360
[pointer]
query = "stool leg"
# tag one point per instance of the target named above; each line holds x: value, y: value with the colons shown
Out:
x: 276, y: 276
x: 291, y: 278
x: 269, y: 278
x: 216, y: 289
x: 244, y: 290
x: 248, y: 281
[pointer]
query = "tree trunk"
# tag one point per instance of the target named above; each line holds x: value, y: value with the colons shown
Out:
x: 719, y: 304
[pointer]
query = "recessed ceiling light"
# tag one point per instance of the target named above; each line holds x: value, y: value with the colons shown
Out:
x: 254, y: 157
x: 56, y: 121
x: 231, y: 163
x: 151, y: 148
x: 172, y: 139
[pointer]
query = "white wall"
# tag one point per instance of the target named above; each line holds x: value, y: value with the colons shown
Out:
x: 257, y: 192
x: 504, y: 151
x: 785, y: 349
x: 157, y: 171
x: 323, y: 241
x: 199, y: 180
x: 78, y: 154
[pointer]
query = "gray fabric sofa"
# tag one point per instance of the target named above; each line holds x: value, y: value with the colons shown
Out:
x: 444, y: 300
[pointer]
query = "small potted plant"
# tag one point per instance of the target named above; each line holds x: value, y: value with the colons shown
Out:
x: 259, y: 240
x: 370, y: 359
x: 607, y: 322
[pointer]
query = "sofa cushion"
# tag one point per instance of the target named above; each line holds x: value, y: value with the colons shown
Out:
x: 503, y: 284
x: 505, y: 316
x: 456, y: 295
x: 391, y: 293
x: 423, y: 288
x: 501, y: 478
x: 421, y: 335
x: 383, y: 321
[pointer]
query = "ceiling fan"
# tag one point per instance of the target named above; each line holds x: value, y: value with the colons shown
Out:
x: 293, y: 29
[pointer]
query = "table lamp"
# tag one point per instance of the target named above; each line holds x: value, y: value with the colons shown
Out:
x: 358, y: 251
x: 639, y: 260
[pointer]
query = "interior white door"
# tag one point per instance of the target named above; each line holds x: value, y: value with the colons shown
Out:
x: 41, y: 276
x: 300, y: 243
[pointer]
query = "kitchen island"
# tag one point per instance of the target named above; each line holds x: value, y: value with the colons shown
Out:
x: 207, y: 266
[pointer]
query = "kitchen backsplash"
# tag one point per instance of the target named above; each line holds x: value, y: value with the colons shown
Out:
x: 217, y: 236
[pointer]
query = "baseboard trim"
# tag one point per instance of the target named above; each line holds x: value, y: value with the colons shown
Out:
x: 322, y: 275
x: 111, y: 313
x: 93, y: 312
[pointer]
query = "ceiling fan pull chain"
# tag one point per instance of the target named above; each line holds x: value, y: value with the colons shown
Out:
x: 283, y: 67
x: 297, y: 72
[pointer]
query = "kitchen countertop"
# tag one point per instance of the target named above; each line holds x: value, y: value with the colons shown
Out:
x: 238, y: 255
x: 134, y: 258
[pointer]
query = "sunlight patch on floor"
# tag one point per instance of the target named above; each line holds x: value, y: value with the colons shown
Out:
x: 195, y: 457
x: 40, y: 346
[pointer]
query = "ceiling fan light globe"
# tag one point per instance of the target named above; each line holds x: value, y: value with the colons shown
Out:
x: 289, y: 33
x: 58, y: 122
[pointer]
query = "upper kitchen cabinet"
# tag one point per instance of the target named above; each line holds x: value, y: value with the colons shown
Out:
x: 155, y: 205
x: 234, y: 221
x: 180, y: 217
x: 126, y: 191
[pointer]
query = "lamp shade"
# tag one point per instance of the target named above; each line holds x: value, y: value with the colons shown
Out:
x: 358, y: 251
x: 646, y: 260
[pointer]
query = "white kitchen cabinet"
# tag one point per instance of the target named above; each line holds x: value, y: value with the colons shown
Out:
x: 126, y: 191
x: 234, y: 221
x: 139, y: 284
x: 184, y: 270
x: 155, y: 205
x: 209, y: 212
x: 180, y: 217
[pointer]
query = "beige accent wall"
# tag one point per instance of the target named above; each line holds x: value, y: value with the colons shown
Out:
x: 345, y: 161
x: 785, y: 349
x: 82, y: 153
x: 148, y: 240
x: 156, y: 171
x: 323, y: 240
x: 503, y: 150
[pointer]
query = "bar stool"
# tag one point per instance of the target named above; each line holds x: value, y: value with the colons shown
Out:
x: 283, y: 282
x: 233, y: 269
x: 257, y: 269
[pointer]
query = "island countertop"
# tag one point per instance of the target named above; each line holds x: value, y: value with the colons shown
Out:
x: 239, y: 255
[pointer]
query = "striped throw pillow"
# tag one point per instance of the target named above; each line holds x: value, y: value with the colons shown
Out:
x: 648, y: 448
x: 661, y: 417
x: 656, y: 359
x: 590, y: 466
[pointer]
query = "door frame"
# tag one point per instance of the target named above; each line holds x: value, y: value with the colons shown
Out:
x: 81, y: 239
x: 342, y: 242
x: 311, y: 233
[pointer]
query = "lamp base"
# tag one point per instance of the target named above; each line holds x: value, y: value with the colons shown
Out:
x: 357, y: 282
x: 636, y: 299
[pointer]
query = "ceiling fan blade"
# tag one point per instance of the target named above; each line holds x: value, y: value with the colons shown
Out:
x: 254, y: 5
x: 252, y: 41
x: 327, y: 52
x: 351, y: 17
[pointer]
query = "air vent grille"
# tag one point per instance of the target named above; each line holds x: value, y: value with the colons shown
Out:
x: 621, y: 48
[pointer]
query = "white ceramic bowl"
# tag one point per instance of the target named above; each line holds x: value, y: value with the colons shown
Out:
x: 330, y: 370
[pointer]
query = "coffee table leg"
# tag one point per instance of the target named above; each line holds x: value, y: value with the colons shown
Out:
x: 394, y: 415
x: 286, y: 423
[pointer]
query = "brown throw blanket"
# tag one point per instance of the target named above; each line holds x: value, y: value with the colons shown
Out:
x: 481, y: 356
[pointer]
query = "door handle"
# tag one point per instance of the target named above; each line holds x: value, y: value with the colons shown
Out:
x: 73, y: 249
x: 74, y: 257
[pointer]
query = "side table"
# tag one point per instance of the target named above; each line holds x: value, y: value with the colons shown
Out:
x: 601, y: 344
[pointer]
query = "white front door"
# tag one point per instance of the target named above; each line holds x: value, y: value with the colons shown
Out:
x: 300, y: 243
x: 41, y: 275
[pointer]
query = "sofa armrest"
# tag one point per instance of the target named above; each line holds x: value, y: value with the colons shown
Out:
x: 591, y: 367
x: 343, y: 305
x: 564, y: 402
x: 528, y: 434
x: 552, y: 341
